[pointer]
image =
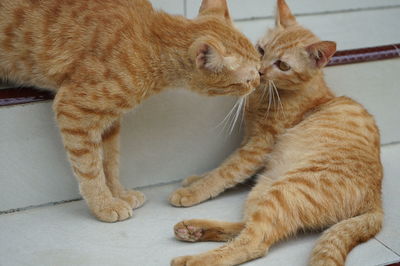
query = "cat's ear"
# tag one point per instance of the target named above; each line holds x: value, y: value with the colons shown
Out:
x: 215, y: 7
x: 284, y: 17
x: 321, y: 52
x: 209, y: 54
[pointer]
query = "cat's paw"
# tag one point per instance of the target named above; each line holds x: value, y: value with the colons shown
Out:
x: 190, y: 180
x: 187, y: 232
x: 113, y: 210
x: 133, y: 197
x: 186, y: 197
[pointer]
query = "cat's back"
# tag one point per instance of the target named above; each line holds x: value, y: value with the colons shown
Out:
x: 342, y: 125
x: 339, y: 132
x: 9, y: 6
x: 43, y: 19
x: 41, y: 41
x: 340, y: 121
x: 345, y: 117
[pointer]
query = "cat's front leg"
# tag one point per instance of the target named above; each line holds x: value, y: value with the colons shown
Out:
x: 191, y: 179
x: 81, y: 128
x: 207, y: 230
x: 242, y: 164
x: 111, y: 149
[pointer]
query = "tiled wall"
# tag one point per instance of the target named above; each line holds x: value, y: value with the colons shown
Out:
x: 250, y: 9
x: 342, y: 20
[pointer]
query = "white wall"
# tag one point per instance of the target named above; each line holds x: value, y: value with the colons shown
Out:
x: 249, y: 9
x: 171, y: 135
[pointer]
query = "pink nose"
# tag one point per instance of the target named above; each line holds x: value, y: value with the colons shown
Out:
x: 262, y: 71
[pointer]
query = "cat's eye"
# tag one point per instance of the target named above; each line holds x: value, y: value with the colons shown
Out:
x: 282, y: 65
x: 260, y: 50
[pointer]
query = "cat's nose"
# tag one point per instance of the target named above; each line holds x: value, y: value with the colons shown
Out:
x: 262, y: 70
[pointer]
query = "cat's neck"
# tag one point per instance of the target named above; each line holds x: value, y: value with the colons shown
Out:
x: 317, y: 90
x: 296, y: 104
x: 171, y: 37
x: 309, y: 95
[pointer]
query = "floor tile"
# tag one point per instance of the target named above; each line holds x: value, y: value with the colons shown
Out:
x: 390, y: 234
x: 68, y: 235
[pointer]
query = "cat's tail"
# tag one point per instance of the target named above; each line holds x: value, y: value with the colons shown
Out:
x: 337, y: 241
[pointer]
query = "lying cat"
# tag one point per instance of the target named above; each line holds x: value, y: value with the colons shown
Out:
x: 321, y: 155
x: 103, y: 58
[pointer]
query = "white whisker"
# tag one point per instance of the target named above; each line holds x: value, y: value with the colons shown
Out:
x: 264, y: 88
x: 230, y: 120
x: 227, y: 117
x: 279, y: 98
x: 238, y: 111
x: 269, y: 99
x: 243, y: 111
x: 273, y: 94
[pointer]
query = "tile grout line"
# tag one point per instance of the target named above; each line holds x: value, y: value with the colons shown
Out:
x: 390, y: 143
x: 388, y: 263
x: 56, y: 203
x: 386, y: 246
x: 352, y: 10
x: 48, y: 204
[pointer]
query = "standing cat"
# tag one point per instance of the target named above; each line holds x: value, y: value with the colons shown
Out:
x: 321, y: 155
x: 103, y: 57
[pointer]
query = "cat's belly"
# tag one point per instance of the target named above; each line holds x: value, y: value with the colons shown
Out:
x: 289, y: 152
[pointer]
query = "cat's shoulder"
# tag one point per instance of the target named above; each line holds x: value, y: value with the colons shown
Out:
x: 345, y: 106
x: 341, y: 102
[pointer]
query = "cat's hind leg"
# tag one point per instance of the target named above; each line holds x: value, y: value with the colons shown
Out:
x: 207, y: 230
x: 261, y: 229
x: 272, y: 213
x: 111, y: 149
x: 337, y: 241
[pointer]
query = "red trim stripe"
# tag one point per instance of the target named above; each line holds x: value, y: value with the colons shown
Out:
x: 21, y: 95
x: 365, y: 54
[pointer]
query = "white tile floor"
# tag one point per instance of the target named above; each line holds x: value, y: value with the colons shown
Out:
x: 68, y: 235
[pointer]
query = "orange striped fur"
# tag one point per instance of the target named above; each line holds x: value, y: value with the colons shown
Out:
x: 320, y: 155
x: 102, y: 58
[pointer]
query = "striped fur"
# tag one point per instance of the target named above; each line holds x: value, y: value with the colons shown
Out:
x: 103, y: 58
x: 320, y: 155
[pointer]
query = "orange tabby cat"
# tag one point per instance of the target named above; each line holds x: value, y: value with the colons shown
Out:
x: 103, y: 57
x: 321, y: 155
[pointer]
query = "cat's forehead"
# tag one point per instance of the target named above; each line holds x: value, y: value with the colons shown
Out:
x: 243, y: 49
x: 238, y: 63
x: 234, y: 41
x: 280, y: 40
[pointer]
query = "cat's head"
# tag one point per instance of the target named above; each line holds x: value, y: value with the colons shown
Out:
x: 291, y: 55
x: 225, y: 61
